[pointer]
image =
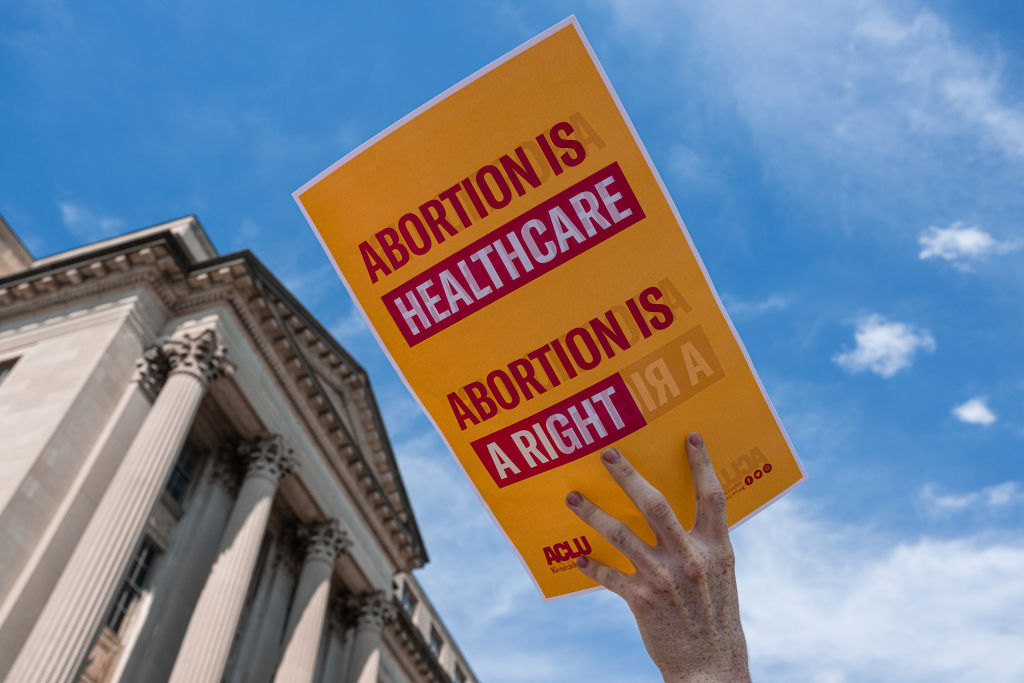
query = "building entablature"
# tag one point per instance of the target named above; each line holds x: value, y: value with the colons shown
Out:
x: 327, y: 391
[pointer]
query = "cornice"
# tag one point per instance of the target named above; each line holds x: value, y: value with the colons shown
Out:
x: 291, y: 340
x: 62, y: 286
x: 403, y: 632
x: 295, y: 343
x: 326, y: 427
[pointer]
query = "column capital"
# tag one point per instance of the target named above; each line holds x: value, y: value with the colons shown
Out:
x: 225, y: 470
x: 267, y: 457
x: 372, y: 609
x: 325, y: 541
x: 151, y: 371
x: 197, y: 353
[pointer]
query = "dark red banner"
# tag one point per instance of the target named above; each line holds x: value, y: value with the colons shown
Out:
x: 581, y: 424
x: 518, y: 252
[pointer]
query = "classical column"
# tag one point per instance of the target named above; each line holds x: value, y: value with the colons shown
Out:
x: 183, y: 569
x: 309, y: 606
x: 207, y: 643
x: 373, y: 611
x: 333, y: 666
x: 67, y: 624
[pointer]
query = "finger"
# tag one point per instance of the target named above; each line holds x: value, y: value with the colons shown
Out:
x: 609, y: 577
x: 613, y: 530
x: 710, y: 518
x: 651, y: 503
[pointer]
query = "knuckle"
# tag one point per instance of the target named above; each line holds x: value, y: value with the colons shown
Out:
x: 585, y: 509
x: 619, y: 535
x: 727, y: 561
x: 662, y: 577
x: 643, y: 597
x: 715, y: 498
x: 624, y: 470
x: 725, y: 557
x: 657, y: 507
x: 694, y: 569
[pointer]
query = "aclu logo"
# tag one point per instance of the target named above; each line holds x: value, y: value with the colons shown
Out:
x: 567, y: 550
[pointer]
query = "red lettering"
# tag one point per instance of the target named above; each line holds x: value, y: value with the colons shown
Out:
x: 572, y: 340
x: 522, y: 372
x: 563, y: 358
x: 403, y: 227
x: 373, y: 261
x: 612, y: 331
x: 500, y: 185
x: 393, y: 248
x: 492, y: 383
x: 483, y: 404
x: 647, y: 300
x: 576, y: 153
x: 541, y: 356
x: 490, y: 187
x: 524, y: 170
x: 434, y: 214
x: 638, y: 318
x: 562, y: 552
x: 462, y: 413
x: 451, y: 196
x: 582, y: 545
x: 474, y: 197
x: 549, y: 156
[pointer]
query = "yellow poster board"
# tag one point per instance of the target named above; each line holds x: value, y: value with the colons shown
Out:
x: 522, y: 265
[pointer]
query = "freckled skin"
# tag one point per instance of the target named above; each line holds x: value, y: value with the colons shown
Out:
x: 683, y: 593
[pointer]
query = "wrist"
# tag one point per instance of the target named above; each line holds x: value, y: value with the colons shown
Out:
x: 734, y: 675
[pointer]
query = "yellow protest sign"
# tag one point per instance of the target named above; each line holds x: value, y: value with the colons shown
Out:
x: 523, y: 267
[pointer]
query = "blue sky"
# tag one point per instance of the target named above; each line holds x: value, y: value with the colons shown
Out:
x: 851, y: 173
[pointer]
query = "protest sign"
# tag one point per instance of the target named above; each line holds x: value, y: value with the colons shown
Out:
x: 523, y: 267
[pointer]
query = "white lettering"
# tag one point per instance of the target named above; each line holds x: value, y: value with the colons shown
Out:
x: 527, y: 445
x: 610, y: 199
x: 589, y: 215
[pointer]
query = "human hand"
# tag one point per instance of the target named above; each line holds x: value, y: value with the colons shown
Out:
x: 683, y: 592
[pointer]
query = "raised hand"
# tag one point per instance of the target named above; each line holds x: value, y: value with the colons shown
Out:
x: 683, y: 592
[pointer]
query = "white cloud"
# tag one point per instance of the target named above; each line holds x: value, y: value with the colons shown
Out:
x: 247, y: 234
x: 489, y: 602
x: 884, y: 347
x: 959, y: 244
x: 975, y: 411
x: 401, y: 413
x: 845, y: 100
x: 820, y: 600
x: 87, y: 225
x: 738, y: 308
x: 827, y: 602
x: 690, y: 166
x: 351, y: 327
x: 989, y: 499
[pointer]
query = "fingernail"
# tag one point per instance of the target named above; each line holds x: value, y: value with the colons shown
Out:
x: 574, y: 499
x: 582, y: 561
x: 696, y: 440
x: 610, y: 456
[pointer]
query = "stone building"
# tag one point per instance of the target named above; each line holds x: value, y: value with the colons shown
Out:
x: 195, y: 482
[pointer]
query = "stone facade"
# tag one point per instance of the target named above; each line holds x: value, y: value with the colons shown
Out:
x: 195, y: 482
